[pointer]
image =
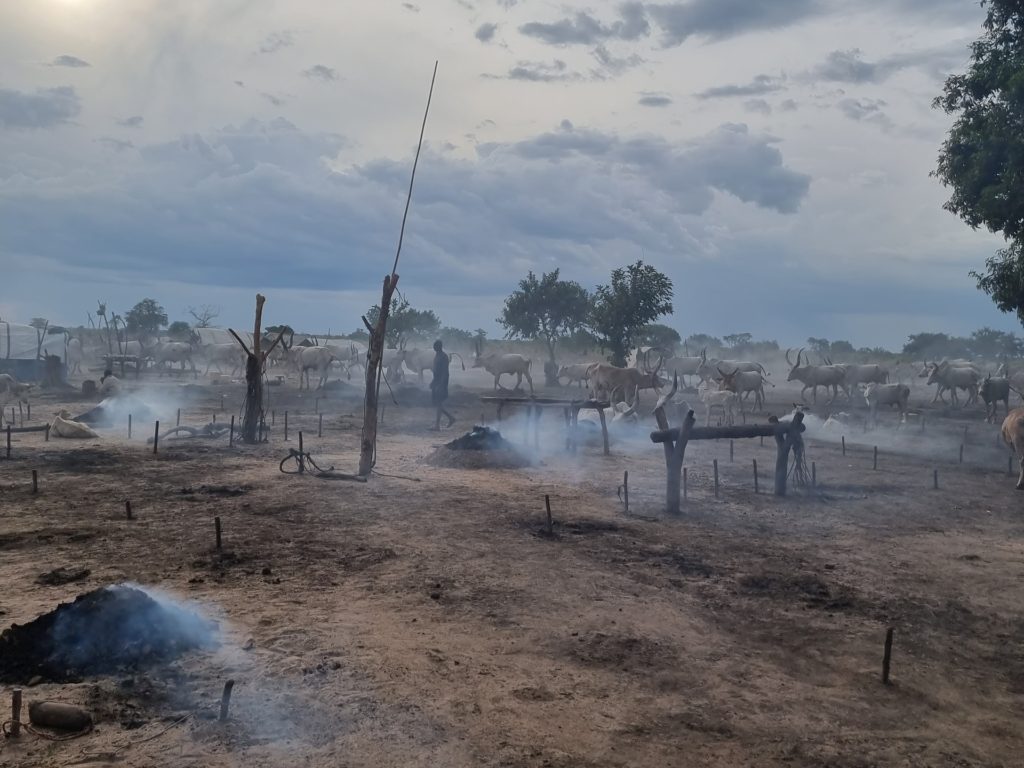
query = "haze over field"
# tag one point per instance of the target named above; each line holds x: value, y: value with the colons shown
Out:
x: 771, y: 158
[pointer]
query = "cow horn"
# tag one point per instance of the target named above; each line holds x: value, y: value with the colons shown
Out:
x: 798, y: 353
x: 790, y: 362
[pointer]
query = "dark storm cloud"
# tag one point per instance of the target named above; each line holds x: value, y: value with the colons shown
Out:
x: 44, y: 108
x: 719, y: 19
x: 584, y: 29
x: 135, y: 121
x: 229, y: 203
x: 485, y: 32
x: 759, y: 86
x: 69, y: 61
x: 866, y: 111
x: 541, y: 72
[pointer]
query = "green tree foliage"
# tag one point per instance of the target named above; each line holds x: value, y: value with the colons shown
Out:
x: 696, y: 342
x: 546, y: 309
x: 658, y: 335
x: 982, y: 159
x: 145, y: 317
x: 738, y: 341
x: 455, y: 337
x: 637, y: 296
x: 179, y: 330
x: 405, y: 322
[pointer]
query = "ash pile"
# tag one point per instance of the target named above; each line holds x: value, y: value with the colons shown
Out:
x: 111, y: 630
x: 480, y: 448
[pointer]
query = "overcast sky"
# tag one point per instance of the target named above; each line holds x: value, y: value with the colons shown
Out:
x: 772, y: 158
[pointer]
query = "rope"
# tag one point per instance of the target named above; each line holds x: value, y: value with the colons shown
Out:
x: 28, y: 728
x: 303, y: 463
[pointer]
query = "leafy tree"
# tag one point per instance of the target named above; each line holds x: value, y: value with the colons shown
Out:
x: 404, y: 322
x: 698, y: 341
x: 455, y: 336
x: 989, y: 342
x: 145, y: 317
x: 360, y: 334
x: 658, y: 335
x: 738, y: 341
x: 204, y: 315
x: 637, y: 295
x: 821, y: 346
x: 179, y: 329
x: 841, y: 348
x: 547, y: 310
x: 982, y: 159
x: 931, y: 346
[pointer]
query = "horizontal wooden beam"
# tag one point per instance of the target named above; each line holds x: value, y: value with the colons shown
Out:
x: 735, y: 433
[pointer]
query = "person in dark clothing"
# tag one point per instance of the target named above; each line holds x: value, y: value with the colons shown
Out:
x: 439, y: 385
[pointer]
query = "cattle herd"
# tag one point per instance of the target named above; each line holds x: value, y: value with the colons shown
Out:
x: 724, y: 387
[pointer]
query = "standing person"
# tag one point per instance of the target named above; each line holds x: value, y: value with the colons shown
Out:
x: 439, y: 385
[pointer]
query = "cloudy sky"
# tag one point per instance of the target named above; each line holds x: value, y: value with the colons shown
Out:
x: 772, y: 158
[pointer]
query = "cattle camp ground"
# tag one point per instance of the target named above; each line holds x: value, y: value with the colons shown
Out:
x: 507, y: 608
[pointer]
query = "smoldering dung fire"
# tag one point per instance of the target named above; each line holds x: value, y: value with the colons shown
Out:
x: 480, y: 448
x: 110, y: 630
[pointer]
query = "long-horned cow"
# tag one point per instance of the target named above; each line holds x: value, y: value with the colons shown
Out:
x: 172, y: 352
x: 1013, y: 434
x: 710, y: 368
x: 992, y: 391
x: 870, y: 373
x: 743, y: 383
x: 498, y: 365
x: 607, y: 380
x: 814, y: 376
x: 951, y: 377
x: 876, y: 394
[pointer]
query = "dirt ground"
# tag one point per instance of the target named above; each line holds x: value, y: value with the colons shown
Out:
x: 425, y: 619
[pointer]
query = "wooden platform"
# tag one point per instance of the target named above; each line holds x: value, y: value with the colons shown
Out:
x: 535, y: 406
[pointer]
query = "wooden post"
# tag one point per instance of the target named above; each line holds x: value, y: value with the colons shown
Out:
x: 177, y: 421
x: 255, y: 365
x: 215, y: 417
x: 731, y: 454
x: 216, y: 529
x: 8, y: 440
x: 28, y: 408
x: 128, y: 509
x: 225, y: 700
x: 35, y: 481
x: 935, y: 479
x: 762, y: 441
x: 874, y: 464
x: 368, y: 441
x: 231, y: 432
x: 961, y: 453
x: 844, y: 445
x: 316, y: 406
x: 286, y: 426
x: 156, y: 436
x: 887, y: 656
x: 320, y: 424
x: 547, y: 508
x: 16, y: 713
x: 625, y: 489
x: 302, y: 463
x: 756, y: 490
x: 814, y: 475
x: 715, y: 464
x: 47, y: 438
x: 604, y: 431
x: 129, y: 426
x: 685, y: 483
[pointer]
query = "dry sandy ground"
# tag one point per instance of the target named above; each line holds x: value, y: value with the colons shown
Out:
x: 425, y: 620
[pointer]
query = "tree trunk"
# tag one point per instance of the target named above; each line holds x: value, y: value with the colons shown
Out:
x: 253, y: 415
x: 368, y: 444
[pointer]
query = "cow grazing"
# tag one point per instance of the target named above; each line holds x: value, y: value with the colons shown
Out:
x: 814, y: 376
x: 876, y: 394
x: 1013, y: 434
x: 992, y: 391
x: 499, y: 365
x: 164, y: 352
x: 578, y: 372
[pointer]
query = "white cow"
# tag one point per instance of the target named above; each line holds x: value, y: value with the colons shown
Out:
x: 876, y: 394
x: 224, y: 354
x: 11, y: 391
x: 499, y: 365
x: 723, y: 399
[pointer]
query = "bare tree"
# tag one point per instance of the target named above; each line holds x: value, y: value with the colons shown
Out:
x: 204, y: 314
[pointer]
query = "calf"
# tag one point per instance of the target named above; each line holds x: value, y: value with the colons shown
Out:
x: 886, y: 394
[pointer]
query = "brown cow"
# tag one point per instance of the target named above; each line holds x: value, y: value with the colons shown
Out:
x: 1013, y: 434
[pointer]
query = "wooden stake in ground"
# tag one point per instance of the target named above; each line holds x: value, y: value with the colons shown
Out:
x: 625, y: 489
x: 225, y: 699
x: 129, y: 426
x: 255, y: 365
x: 128, y: 509
x: 844, y: 445
x: 8, y: 441
x: 35, y: 481
x: 814, y: 475
x: 547, y: 508
x: 756, y: 490
x: 320, y: 426
x: 715, y: 465
x: 875, y: 461
x: 216, y: 530
x: 887, y: 656
x: 231, y: 432
x: 156, y: 436
x: 302, y: 463
x: 16, y: 713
